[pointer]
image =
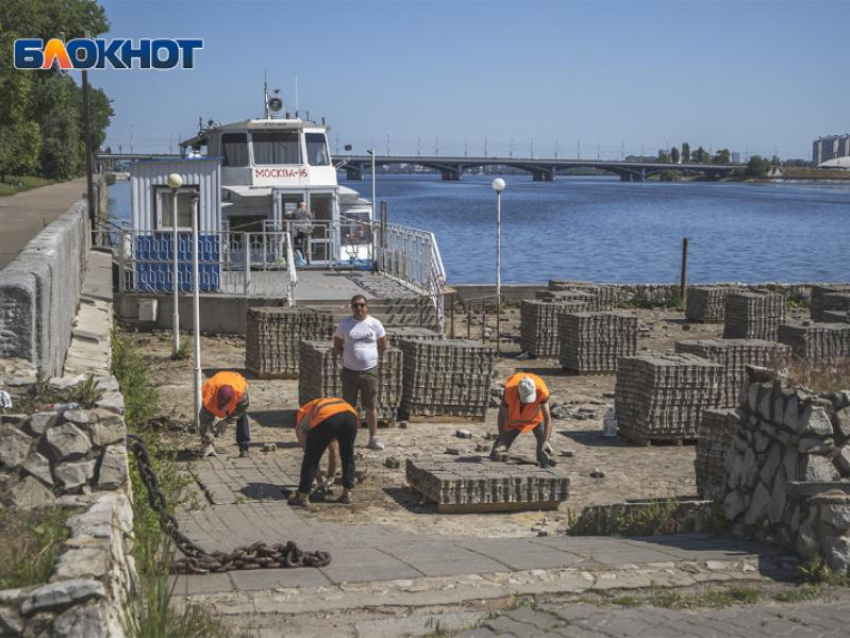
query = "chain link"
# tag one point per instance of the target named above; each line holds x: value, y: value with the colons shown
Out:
x: 198, y: 561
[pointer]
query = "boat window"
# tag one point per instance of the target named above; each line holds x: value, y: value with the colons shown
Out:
x: 234, y: 149
x: 317, y: 149
x: 280, y: 147
x: 165, y: 208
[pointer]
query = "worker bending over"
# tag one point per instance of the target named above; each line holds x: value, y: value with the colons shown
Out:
x: 317, y: 424
x: 225, y: 397
x: 525, y: 406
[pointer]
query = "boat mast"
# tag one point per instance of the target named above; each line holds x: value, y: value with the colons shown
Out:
x: 266, y: 94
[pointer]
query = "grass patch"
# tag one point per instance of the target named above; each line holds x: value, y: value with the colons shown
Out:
x: 817, y: 572
x: 29, y: 543
x: 41, y: 393
x: 797, y: 594
x: 13, y: 185
x: 627, y: 601
x: 654, y: 518
x: 184, y: 350
x: 714, y: 598
x: 154, y: 612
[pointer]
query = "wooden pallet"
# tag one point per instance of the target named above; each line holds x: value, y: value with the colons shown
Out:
x: 486, y: 508
x: 677, y: 441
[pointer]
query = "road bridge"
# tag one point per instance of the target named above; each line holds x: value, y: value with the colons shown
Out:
x: 542, y: 169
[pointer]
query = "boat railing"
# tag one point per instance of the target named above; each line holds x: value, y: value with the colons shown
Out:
x: 412, y: 256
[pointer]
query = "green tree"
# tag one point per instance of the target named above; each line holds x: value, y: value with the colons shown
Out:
x: 663, y: 157
x: 674, y: 155
x: 701, y: 156
x: 40, y: 111
x: 723, y: 156
x: 686, y: 153
x: 758, y: 166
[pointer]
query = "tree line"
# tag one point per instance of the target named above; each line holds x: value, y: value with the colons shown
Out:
x: 41, y: 115
x: 757, y: 165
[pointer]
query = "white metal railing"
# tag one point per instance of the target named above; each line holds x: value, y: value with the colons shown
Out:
x: 290, y: 268
x: 412, y: 256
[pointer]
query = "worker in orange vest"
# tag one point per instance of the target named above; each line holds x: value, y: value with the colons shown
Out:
x: 317, y: 424
x: 225, y: 397
x: 525, y: 406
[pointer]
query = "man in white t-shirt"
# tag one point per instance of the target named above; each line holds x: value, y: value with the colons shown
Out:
x: 361, y: 340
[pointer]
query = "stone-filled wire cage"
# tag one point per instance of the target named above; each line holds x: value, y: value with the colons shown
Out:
x: 448, y: 377
x: 273, y: 336
x: 320, y: 377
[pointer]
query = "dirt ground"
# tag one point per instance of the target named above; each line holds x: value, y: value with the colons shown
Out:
x: 631, y: 472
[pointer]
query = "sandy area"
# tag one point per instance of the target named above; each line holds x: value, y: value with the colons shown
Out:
x: 631, y: 472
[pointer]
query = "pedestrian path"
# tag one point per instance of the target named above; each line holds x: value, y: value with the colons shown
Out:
x: 376, y: 556
x: 24, y: 215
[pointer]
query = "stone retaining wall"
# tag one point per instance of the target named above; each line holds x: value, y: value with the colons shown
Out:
x: 74, y: 459
x: 788, y: 469
x: 40, y: 290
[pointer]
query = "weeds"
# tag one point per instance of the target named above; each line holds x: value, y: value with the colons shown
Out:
x: 818, y: 376
x: 29, y: 544
x: 817, y: 572
x: 714, y: 598
x: 154, y: 613
x: 650, y: 519
x: 797, y: 594
x: 41, y: 393
x: 183, y: 350
x: 86, y: 393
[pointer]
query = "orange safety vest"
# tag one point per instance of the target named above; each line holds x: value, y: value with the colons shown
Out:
x: 210, y: 392
x: 318, y: 410
x: 524, y: 416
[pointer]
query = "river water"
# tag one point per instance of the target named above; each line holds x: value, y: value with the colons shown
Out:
x: 604, y: 230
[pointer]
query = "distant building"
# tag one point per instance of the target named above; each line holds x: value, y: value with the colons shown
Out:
x: 735, y: 157
x: 830, y: 147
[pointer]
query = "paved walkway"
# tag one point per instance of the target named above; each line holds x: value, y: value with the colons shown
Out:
x: 24, y: 215
x: 247, y: 505
x: 816, y: 619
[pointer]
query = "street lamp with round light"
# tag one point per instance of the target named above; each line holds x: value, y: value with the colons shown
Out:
x: 498, y: 186
x: 174, y: 183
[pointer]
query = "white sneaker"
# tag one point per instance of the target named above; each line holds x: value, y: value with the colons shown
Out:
x: 375, y: 444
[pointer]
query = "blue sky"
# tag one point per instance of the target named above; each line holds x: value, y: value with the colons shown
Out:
x: 752, y: 75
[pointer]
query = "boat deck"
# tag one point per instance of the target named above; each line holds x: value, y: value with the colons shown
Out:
x: 325, y: 285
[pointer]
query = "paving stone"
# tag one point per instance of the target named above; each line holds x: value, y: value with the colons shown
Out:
x: 829, y: 298
x: 662, y: 396
x: 753, y: 315
x: 707, y: 304
x: 819, y: 342
x: 716, y: 432
x: 273, y: 335
x: 593, y: 342
x: 539, y: 321
x: 460, y: 485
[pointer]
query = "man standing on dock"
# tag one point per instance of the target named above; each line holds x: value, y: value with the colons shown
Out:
x: 525, y: 406
x: 361, y: 340
x: 302, y: 227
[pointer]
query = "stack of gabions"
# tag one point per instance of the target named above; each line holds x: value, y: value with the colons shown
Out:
x: 818, y: 342
x: 829, y: 298
x: 662, y: 396
x: 320, y: 376
x: 753, y: 315
x: 273, y: 335
x: 716, y: 433
x: 734, y: 355
x: 448, y: 377
x: 539, y: 325
x: 707, y: 304
x: 592, y: 342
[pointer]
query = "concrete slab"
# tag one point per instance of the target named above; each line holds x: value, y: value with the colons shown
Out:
x: 190, y: 585
x: 279, y: 578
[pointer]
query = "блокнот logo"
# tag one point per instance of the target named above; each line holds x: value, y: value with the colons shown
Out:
x: 99, y: 53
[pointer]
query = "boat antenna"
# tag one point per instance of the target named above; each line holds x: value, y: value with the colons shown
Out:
x: 296, y: 93
x: 266, y: 93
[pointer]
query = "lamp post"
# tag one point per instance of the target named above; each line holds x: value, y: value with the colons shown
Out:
x: 498, y: 186
x: 175, y: 182
x: 196, y: 307
x: 371, y: 152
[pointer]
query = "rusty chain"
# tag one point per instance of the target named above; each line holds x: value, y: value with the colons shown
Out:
x: 198, y: 561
